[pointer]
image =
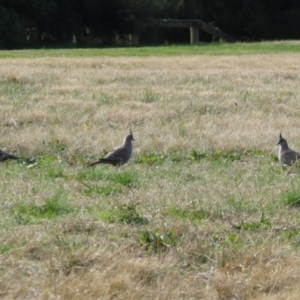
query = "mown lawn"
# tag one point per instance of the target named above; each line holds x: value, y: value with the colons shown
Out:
x: 173, y: 50
x: 202, y: 211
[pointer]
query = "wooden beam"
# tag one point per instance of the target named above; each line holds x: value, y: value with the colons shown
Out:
x: 195, y: 24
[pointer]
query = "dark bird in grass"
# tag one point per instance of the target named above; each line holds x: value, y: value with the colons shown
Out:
x: 120, y: 155
x: 5, y: 156
x: 286, y: 156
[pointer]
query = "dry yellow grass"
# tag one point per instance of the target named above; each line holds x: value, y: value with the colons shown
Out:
x: 220, y: 245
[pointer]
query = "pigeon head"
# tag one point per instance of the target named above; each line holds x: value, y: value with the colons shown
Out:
x: 281, y: 140
x: 130, y: 135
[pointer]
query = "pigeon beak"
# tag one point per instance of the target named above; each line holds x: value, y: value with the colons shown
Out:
x: 131, y: 134
x: 280, y: 137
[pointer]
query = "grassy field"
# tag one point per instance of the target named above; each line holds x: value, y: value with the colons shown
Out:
x: 184, y: 50
x: 202, y: 211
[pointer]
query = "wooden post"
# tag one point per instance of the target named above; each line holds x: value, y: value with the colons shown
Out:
x: 194, y: 35
x: 133, y: 39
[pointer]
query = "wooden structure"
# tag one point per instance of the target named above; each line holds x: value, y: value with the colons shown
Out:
x: 194, y: 26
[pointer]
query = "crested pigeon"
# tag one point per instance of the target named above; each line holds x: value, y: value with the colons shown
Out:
x: 118, y: 156
x: 4, y: 156
x: 286, y: 156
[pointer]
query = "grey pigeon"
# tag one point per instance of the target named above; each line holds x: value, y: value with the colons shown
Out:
x: 286, y: 156
x: 120, y: 155
x: 4, y: 156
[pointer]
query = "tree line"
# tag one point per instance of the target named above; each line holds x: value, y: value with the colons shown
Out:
x: 88, y: 23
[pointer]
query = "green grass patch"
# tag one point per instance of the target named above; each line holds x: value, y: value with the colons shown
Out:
x: 51, y: 166
x: 154, y: 158
x: 115, y: 176
x: 148, y: 96
x: 291, y: 198
x: 56, y: 145
x: 263, y: 223
x: 232, y: 238
x: 173, y: 50
x: 242, y: 205
x: 52, y: 208
x: 112, y: 182
x: 274, y: 157
x: 126, y: 178
x: 191, y: 214
x: 197, y: 155
x: 151, y: 158
x: 6, y: 247
x: 92, y: 173
x: 234, y: 241
x: 101, y: 190
x: 157, y: 241
x: 292, y: 235
x: 216, y: 155
x: 68, y: 243
x: 55, y: 172
x: 126, y: 214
